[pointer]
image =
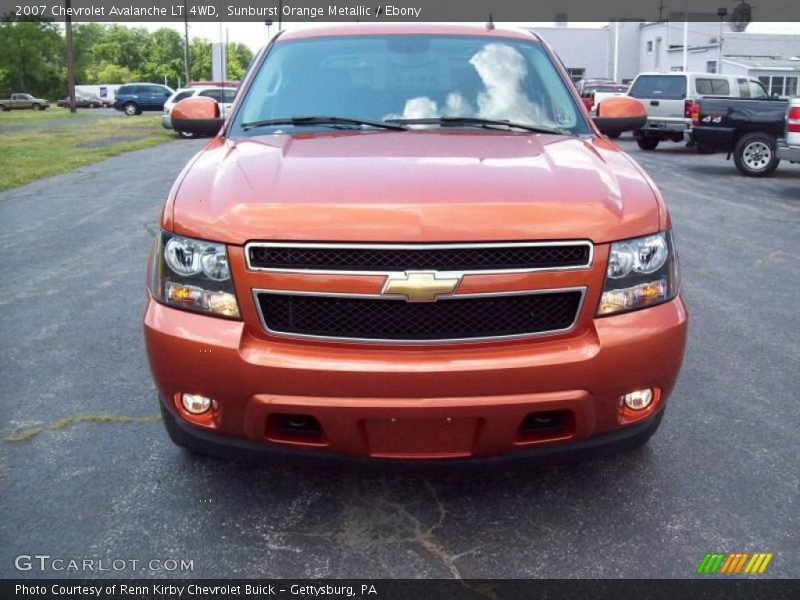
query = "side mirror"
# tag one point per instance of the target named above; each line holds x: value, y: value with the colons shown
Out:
x: 618, y: 114
x: 199, y: 115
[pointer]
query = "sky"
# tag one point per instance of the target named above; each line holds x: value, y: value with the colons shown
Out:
x: 254, y: 34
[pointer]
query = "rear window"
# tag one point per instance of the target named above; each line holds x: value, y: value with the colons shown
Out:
x: 182, y: 96
x: 667, y: 87
x: 221, y: 95
x: 707, y: 86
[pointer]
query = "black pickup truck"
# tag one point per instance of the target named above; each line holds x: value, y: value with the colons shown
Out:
x: 744, y: 128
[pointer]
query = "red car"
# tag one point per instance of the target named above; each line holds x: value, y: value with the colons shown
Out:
x: 412, y: 242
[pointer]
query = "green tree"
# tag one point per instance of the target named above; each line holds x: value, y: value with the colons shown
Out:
x: 239, y: 57
x: 106, y: 72
x: 122, y: 46
x: 34, y: 61
x: 200, y: 59
x: 85, y: 36
x: 164, y: 57
x: 33, y: 58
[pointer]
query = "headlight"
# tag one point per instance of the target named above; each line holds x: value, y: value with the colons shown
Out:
x: 641, y: 272
x: 195, y: 275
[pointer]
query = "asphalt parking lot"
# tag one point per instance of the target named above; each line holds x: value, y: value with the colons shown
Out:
x: 722, y: 473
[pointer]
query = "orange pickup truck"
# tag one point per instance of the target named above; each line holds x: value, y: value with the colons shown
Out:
x: 412, y: 242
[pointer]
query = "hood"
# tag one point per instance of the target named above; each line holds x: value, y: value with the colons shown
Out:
x: 414, y: 186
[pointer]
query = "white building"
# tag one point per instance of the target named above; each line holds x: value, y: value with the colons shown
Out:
x: 658, y: 46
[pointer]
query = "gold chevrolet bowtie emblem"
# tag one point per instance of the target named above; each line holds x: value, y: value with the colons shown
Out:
x: 420, y: 286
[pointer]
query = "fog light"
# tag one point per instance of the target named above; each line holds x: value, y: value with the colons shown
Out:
x: 196, y: 405
x: 638, y: 400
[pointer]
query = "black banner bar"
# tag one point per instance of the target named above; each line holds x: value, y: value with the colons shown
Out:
x: 738, y: 11
x: 730, y: 588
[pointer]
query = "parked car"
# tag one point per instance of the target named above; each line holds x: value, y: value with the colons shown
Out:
x: 789, y: 147
x: 133, y: 98
x: 358, y: 266
x: 222, y: 95
x: 83, y: 102
x: 669, y: 99
x: 746, y: 129
x: 582, y: 84
x: 23, y: 101
x: 596, y: 93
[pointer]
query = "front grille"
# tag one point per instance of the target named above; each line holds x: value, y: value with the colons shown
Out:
x: 479, y: 257
x: 453, y: 318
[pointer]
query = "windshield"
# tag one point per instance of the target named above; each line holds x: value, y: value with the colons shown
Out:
x: 375, y: 78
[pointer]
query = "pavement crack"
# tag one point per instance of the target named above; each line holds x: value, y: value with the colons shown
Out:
x: 27, y: 434
x: 426, y: 537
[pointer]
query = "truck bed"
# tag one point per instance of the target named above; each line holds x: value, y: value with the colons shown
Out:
x: 722, y: 121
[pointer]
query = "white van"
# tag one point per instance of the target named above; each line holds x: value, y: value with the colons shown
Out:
x: 669, y: 100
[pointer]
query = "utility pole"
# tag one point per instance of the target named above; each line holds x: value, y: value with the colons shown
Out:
x: 722, y: 12
x: 70, y: 59
x: 616, y: 51
x: 186, y: 69
x: 685, y: 43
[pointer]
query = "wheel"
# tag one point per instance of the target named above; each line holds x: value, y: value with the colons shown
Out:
x: 92, y: 105
x: 647, y: 143
x: 614, y: 136
x: 187, y: 135
x: 131, y: 109
x: 754, y: 155
x: 3, y: 108
x: 36, y: 106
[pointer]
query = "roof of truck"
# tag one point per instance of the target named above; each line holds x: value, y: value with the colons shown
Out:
x: 405, y: 28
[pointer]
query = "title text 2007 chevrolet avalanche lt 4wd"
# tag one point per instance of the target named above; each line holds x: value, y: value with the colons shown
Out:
x: 412, y: 242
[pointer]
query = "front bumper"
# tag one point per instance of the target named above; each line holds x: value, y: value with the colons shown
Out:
x: 787, y: 152
x: 415, y: 403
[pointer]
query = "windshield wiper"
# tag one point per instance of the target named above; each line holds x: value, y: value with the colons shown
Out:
x: 478, y: 122
x: 321, y: 120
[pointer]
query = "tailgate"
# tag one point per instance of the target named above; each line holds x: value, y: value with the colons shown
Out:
x: 714, y: 130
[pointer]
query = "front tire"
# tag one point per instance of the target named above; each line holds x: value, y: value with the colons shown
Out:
x: 647, y: 143
x: 36, y: 107
x: 755, y: 156
x: 187, y: 135
x: 130, y: 109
